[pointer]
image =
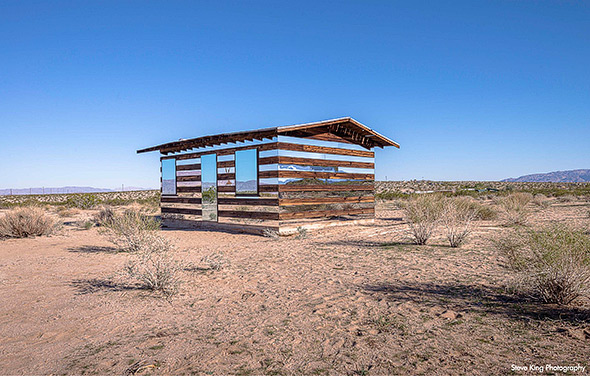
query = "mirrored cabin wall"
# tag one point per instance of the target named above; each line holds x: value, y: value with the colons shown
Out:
x: 324, y: 179
x: 299, y: 180
x: 255, y: 204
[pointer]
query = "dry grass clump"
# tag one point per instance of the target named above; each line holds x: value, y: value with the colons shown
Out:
x: 152, y: 263
x: 423, y: 213
x: 482, y: 212
x: 105, y: 214
x: 457, y: 218
x: 541, y: 201
x: 130, y: 230
x: 153, y: 266
x: 64, y: 211
x: 270, y: 233
x: 27, y: 222
x: 215, y: 261
x: 552, y: 263
x: 567, y: 198
x: 515, y: 208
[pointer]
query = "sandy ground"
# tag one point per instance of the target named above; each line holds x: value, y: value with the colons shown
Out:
x: 353, y: 300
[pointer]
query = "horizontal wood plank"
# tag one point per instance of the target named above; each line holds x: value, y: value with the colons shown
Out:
x: 314, y: 175
x: 228, y: 151
x: 194, y: 166
x: 322, y: 162
x: 248, y: 201
x: 327, y: 187
x: 247, y: 214
x: 189, y: 178
x: 181, y: 200
x: 325, y: 213
x: 325, y: 200
x: 324, y: 150
x: 180, y: 211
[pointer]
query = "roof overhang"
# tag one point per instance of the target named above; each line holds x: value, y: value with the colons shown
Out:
x: 346, y: 128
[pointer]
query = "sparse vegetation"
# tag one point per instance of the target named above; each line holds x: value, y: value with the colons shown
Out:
x: 269, y: 233
x: 105, y: 215
x: 457, y: 217
x: 153, y: 266
x: 27, y: 222
x: 215, y: 261
x: 301, y: 233
x: 541, y: 201
x: 131, y: 230
x: 552, y: 263
x: 423, y: 214
x: 515, y: 208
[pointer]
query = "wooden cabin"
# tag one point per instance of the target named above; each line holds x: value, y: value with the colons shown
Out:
x: 276, y: 179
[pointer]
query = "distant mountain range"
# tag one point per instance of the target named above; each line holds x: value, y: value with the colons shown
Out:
x: 62, y: 190
x: 570, y: 176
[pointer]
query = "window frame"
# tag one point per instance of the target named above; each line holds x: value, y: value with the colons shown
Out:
x: 256, y: 159
x: 162, y: 178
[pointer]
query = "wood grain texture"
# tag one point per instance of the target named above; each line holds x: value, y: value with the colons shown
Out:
x: 325, y: 200
x: 331, y: 187
x: 315, y: 175
x: 324, y: 150
x: 325, y: 213
x: 228, y: 151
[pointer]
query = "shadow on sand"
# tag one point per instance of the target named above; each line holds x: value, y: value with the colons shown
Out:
x: 93, y: 285
x: 478, y: 299
x: 93, y: 249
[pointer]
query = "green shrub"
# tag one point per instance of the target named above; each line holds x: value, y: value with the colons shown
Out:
x: 27, y: 222
x: 552, y: 263
x: 83, y: 201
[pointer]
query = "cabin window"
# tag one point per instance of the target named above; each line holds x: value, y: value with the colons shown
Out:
x: 247, y: 172
x: 168, y: 176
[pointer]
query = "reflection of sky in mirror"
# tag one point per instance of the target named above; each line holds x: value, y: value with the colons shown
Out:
x: 168, y: 169
x: 209, y: 168
x: 246, y: 166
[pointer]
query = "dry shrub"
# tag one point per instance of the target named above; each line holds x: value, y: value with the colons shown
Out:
x: 541, y: 201
x: 567, y: 198
x: 27, y: 222
x: 270, y: 233
x: 64, y: 211
x: 423, y: 213
x: 515, y: 208
x: 481, y: 211
x: 302, y: 233
x: 215, y: 261
x: 552, y: 263
x: 130, y: 230
x: 105, y: 214
x: 85, y: 223
x: 153, y: 266
x: 457, y: 218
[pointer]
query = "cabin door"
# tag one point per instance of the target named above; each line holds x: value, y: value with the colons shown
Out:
x: 209, y: 187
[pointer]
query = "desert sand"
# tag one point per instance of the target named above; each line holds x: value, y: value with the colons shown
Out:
x: 345, y: 300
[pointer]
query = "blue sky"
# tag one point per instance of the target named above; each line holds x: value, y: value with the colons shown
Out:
x: 477, y: 90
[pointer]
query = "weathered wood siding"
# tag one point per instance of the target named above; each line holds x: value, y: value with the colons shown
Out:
x: 300, y: 180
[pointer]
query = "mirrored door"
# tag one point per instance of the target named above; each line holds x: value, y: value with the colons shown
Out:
x: 209, y: 187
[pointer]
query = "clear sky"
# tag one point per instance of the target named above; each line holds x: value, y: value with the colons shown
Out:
x: 478, y: 90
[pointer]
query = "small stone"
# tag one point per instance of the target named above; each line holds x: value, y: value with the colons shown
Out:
x: 450, y: 315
